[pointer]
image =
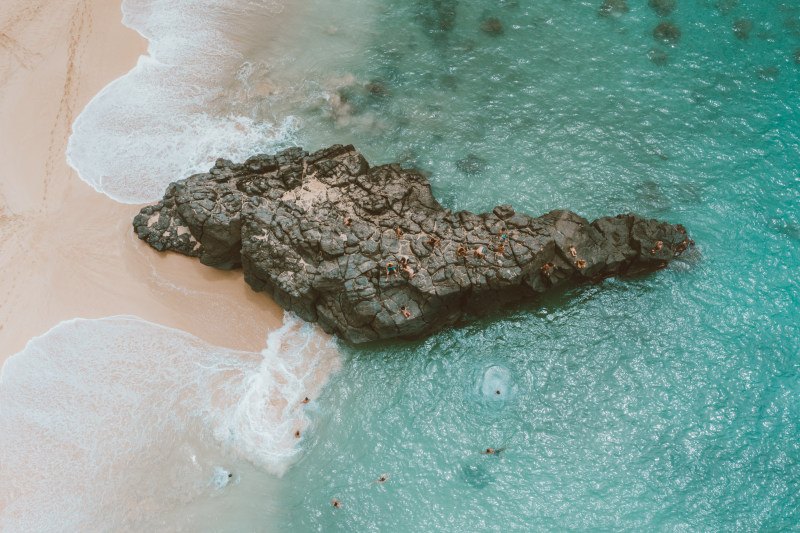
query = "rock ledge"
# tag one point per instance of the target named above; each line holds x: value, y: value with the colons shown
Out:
x: 318, y: 231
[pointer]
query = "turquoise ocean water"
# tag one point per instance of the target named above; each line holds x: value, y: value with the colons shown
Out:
x: 669, y: 402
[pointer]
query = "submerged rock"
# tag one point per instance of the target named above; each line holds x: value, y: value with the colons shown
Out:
x: 796, y: 56
x: 492, y: 26
x: 472, y: 164
x: 378, y: 88
x: 662, y: 7
x: 742, y: 29
x: 658, y: 56
x: 438, y: 15
x: 769, y: 73
x: 613, y: 8
x: 726, y: 6
x: 667, y: 33
x: 318, y: 231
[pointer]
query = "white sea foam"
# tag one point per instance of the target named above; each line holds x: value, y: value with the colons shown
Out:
x: 172, y: 115
x: 224, y: 78
x: 121, y: 424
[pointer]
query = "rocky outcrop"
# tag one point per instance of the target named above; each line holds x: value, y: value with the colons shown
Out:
x: 369, y: 253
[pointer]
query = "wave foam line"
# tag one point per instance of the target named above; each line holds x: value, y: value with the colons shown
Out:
x: 170, y: 116
x: 121, y: 422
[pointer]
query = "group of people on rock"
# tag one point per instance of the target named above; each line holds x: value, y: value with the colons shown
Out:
x: 392, y: 270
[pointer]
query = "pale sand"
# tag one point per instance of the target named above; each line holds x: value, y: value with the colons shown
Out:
x: 67, y: 251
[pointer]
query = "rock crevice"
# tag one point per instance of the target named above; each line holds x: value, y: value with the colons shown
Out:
x: 369, y: 253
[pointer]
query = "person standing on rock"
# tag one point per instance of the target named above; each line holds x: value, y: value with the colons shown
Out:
x: 390, y: 269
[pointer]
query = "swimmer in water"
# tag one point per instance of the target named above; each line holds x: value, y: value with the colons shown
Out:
x: 305, y: 400
x: 381, y: 479
x: 297, y: 434
x: 493, y: 451
x: 336, y: 503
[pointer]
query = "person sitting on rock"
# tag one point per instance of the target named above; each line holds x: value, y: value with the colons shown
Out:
x: 348, y: 221
x: 390, y: 269
x: 405, y: 312
x: 479, y: 251
x: 461, y: 252
x: 573, y: 252
x: 657, y: 248
x: 433, y: 242
x: 405, y: 267
x: 547, y: 268
x: 399, y: 232
x: 501, y: 249
x: 502, y: 234
x: 580, y: 263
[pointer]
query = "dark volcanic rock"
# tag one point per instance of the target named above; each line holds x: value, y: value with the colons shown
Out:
x: 667, y: 33
x: 662, y: 7
x: 317, y: 231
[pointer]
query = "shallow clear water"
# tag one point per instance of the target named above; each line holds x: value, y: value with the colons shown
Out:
x: 666, y: 402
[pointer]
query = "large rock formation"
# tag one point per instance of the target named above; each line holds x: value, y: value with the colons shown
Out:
x: 317, y: 232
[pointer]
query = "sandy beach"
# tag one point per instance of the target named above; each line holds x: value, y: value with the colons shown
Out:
x: 67, y: 251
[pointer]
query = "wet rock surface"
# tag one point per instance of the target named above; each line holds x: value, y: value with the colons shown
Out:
x: 318, y: 231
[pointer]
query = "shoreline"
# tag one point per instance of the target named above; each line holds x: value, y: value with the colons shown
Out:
x: 68, y: 251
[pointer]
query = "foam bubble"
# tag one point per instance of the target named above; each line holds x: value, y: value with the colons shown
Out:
x: 126, y: 423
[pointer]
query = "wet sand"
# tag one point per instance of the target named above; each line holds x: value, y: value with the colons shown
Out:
x: 67, y: 251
